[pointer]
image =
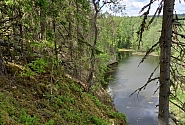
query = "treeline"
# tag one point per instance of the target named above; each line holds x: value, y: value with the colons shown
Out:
x: 125, y: 32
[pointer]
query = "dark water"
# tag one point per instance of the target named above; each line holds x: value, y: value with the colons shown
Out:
x: 140, y: 109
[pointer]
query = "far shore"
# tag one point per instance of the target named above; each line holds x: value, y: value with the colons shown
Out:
x: 134, y: 52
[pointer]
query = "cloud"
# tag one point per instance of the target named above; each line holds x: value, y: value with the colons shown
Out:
x: 133, y: 7
x: 180, y: 7
x: 138, y: 4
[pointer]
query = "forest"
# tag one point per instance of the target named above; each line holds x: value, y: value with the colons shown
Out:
x: 54, y: 55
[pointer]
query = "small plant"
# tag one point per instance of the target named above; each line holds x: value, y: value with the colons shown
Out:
x: 50, y: 122
x: 98, y: 121
x: 38, y: 65
x: 27, y: 119
x: 27, y: 72
x: 95, y: 100
x: 2, y: 113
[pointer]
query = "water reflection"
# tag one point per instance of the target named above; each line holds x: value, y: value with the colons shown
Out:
x: 140, y: 109
x: 123, y: 55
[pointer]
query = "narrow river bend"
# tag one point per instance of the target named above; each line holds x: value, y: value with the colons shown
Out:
x: 127, y: 77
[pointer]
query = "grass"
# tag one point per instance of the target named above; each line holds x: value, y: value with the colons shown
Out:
x: 35, y: 100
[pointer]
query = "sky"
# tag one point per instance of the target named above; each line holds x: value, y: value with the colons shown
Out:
x: 134, y: 6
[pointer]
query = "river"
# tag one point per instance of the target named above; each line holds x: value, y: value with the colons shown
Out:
x: 127, y: 77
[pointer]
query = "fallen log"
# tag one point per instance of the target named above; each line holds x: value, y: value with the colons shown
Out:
x: 77, y: 81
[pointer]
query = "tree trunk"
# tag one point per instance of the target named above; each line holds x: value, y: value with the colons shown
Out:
x: 42, y: 24
x: 165, y: 44
x: 92, y: 58
x: 2, y: 66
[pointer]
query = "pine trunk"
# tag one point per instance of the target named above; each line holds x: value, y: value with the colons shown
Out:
x: 2, y: 66
x: 165, y: 44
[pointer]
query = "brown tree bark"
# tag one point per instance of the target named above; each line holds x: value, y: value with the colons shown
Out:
x: 92, y: 58
x: 2, y: 66
x: 165, y: 46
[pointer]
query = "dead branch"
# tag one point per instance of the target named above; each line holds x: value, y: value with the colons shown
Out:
x: 145, y: 14
x: 150, y: 79
x: 158, y: 10
x: 179, y: 19
x: 178, y: 43
x: 148, y: 52
x: 181, y: 35
x: 148, y: 5
x: 156, y: 89
x: 104, y: 3
x: 143, y: 87
x: 176, y: 58
x: 178, y: 106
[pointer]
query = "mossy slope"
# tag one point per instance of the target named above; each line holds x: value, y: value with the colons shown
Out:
x: 48, y: 100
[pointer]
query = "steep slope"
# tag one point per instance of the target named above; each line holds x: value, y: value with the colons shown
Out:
x: 51, y: 100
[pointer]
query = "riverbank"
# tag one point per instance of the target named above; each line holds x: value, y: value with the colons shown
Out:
x: 134, y: 52
x: 48, y: 99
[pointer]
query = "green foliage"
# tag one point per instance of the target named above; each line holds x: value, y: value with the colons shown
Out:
x: 64, y: 99
x: 102, y: 60
x: 95, y: 100
x: 98, y: 121
x: 27, y: 119
x: 38, y: 65
x: 50, y: 122
x: 50, y: 35
x: 2, y: 113
x: 43, y: 4
x: 27, y: 72
x: 121, y: 32
x: 117, y: 115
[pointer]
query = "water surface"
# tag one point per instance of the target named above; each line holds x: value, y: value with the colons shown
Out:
x: 140, y: 109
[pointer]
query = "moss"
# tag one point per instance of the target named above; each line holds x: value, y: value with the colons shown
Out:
x: 35, y: 100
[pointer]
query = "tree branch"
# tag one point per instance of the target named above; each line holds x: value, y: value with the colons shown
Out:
x: 177, y: 106
x: 181, y: 35
x: 148, y: 52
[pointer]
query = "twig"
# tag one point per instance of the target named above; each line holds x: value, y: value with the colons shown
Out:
x: 51, y: 89
x: 13, y: 78
x: 150, y: 79
x: 145, y: 14
x: 183, y: 36
x: 144, y: 86
x: 148, y: 52
x: 178, y: 106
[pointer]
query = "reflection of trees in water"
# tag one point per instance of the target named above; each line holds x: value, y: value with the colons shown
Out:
x: 123, y: 55
x: 152, y: 59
